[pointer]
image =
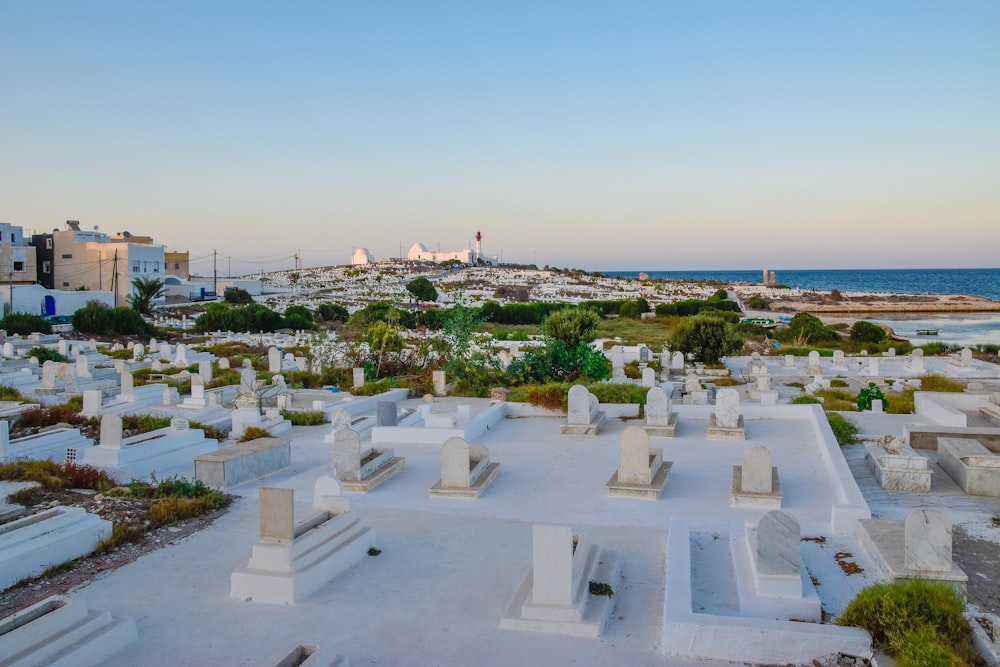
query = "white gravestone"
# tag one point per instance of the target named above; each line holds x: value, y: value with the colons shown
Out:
x: 648, y: 376
x: 756, y: 470
x: 778, y: 545
x: 111, y: 431
x: 727, y: 408
x: 552, y: 558
x: 273, y: 360
x: 928, y: 541
x: 359, y: 377
x: 633, y: 463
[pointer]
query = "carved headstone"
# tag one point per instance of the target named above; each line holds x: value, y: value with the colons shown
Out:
x: 111, y: 431
x: 658, y: 407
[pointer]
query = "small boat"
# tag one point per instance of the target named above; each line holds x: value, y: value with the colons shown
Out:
x: 760, y: 321
x: 927, y: 332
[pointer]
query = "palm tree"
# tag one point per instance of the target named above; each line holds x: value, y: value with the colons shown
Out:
x: 144, y: 291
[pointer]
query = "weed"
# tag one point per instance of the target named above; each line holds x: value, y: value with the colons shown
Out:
x: 61, y: 568
x: 797, y: 385
x: 837, y: 399
x: 601, y: 588
x: 837, y: 383
x: 869, y: 394
x: 372, y: 551
x: 254, y: 433
x: 996, y: 520
x: 11, y: 394
x: 305, y: 418
x: 172, y: 509
x: 211, y: 432
x: 805, y: 400
x: 934, y: 382
x: 549, y: 396
x: 52, y: 475
x: 843, y: 428
x: 120, y: 536
x: 144, y: 423
x: 727, y: 382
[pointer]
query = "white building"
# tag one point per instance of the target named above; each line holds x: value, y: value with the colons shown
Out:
x: 420, y: 252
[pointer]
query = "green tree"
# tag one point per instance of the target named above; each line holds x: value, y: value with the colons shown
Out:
x: 144, y: 292
x: 238, y: 296
x: 806, y: 329
x: 707, y: 338
x: 866, y: 332
x: 572, y: 326
x: 299, y: 317
x: 332, y: 312
x: 422, y: 289
x: 629, y: 309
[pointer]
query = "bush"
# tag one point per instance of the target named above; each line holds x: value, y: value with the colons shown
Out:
x: 843, y: 428
x: 52, y: 475
x: 254, y: 433
x: 11, y: 394
x: 805, y: 400
x: 936, y: 382
x: 305, y: 418
x: 919, y: 622
x: 866, y: 332
x: 869, y: 394
x: 806, y: 329
x: 44, y: 354
x: 25, y: 324
x: 110, y: 321
x: 422, y: 289
x: 572, y: 326
x: 238, y: 296
x: 706, y: 337
x: 758, y: 303
x: 332, y: 312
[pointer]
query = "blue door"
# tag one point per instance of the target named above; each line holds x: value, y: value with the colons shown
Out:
x: 50, y: 305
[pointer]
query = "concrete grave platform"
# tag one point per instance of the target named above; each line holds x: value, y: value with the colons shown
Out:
x: 61, y: 632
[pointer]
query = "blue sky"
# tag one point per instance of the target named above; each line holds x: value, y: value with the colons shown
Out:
x: 600, y: 135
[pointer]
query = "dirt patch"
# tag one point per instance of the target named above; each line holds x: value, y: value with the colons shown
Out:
x: 980, y: 560
x: 848, y: 566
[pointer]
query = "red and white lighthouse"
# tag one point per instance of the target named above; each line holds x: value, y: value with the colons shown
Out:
x: 479, y: 246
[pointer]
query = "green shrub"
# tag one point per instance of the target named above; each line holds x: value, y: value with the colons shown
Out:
x: 866, y: 332
x: 837, y: 399
x: 238, y: 296
x: 758, y: 303
x: 805, y: 400
x: 934, y: 382
x: 44, y: 354
x: 103, y: 321
x: 619, y: 393
x: 254, y: 433
x: 25, y: 324
x: 305, y: 418
x: 11, y: 394
x: 843, y: 428
x: 869, y: 394
x: 919, y: 622
x: 838, y: 383
x: 902, y: 403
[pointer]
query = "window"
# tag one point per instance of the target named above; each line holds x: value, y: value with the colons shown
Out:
x: 69, y: 256
x: 18, y: 267
x: 46, y: 267
x: 48, y: 243
x: 13, y: 237
x: 65, y: 284
x: 135, y: 267
x: 177, y: 265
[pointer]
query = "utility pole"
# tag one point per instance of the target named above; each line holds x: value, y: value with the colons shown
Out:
x: 114, y: 278
x: 215, y: 273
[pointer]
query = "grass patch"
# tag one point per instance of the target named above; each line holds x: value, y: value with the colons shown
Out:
x: 11, y: 394
x: 838, y: 399
x: 120, y: 536
x: 935, y: 382
x: 654, y: 333
x: 726, y: 382
x: 901, y: 403
x: 918, y: 622
x: 837, y: 383
x: 805, y: 400
x: 374, y: 388
x: 843, y: 428
x: 211, y: 432
x: 305, y: 418
x: 55, y: 476
x: 797, y: 385
x: 254, y: 433
x: 553, y: 395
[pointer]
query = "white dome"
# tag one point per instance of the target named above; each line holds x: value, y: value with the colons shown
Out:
x: 417, y: 248
x: 361, y: 256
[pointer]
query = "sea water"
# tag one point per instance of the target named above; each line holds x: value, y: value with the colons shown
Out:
x: 964, y: 329
x: 977, y: 282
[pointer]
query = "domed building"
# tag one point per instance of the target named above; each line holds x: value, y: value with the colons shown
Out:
x: 419, y: 252
x: 361, y: 256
